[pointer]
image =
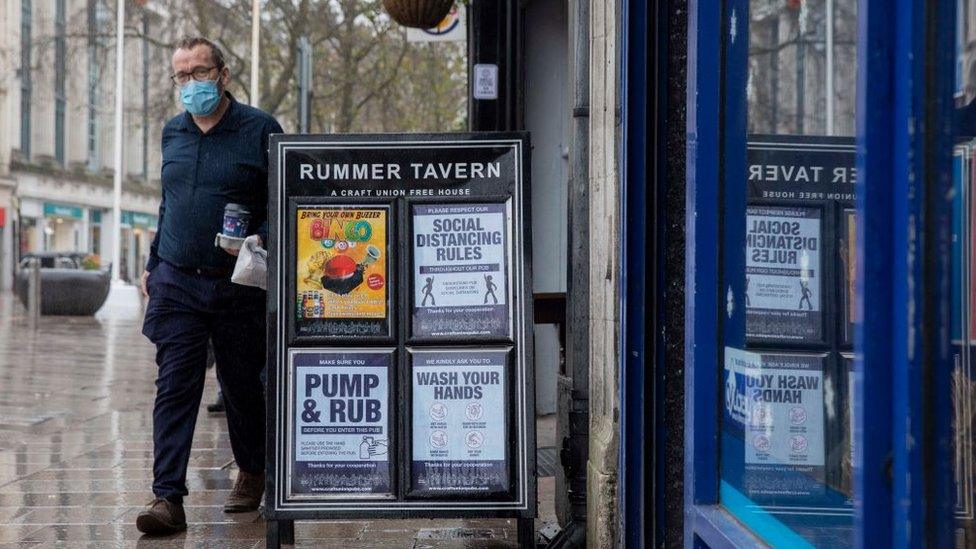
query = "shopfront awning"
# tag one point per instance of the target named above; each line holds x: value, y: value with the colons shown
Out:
x: 140, y: 220
x: 63, y: 211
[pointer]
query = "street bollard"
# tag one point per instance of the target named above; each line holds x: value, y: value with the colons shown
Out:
x: 34, y: 292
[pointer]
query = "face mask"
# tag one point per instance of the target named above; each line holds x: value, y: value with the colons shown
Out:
x: 200, y: 98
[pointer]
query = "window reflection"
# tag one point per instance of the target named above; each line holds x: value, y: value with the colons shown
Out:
x: 787, y: 463
x: 795, y: 57
x: 787, y: 430
x: 963, y: 285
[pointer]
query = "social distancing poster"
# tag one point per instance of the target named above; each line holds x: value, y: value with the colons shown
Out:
x: 460, y: 264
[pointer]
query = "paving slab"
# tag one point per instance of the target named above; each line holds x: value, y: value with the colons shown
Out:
x: 76, y: 398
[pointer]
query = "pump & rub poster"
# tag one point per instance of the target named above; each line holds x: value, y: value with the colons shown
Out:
x: 460, y: 271
x: 341, y: 442
x: 783, y: 274
x: 459, y: 422
x: 342, y: 276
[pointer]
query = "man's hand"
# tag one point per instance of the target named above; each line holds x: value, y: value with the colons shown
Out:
x: 236, y: 251
x: 144, y: 281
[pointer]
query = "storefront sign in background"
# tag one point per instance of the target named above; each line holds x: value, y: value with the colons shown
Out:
x: 453, y: 28
x: 341, y: 271
x: 460, y: 262
x: 459, y: 421
x: 138, y: 219
x: 342, y: 422
x: 62, y: 210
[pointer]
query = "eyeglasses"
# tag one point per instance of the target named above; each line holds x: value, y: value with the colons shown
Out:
x: 200, y: 74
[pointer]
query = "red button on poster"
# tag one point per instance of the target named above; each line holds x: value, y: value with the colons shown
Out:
x: 374, y: 281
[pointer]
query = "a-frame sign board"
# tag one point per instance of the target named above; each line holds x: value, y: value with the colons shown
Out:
x: 400, y: 372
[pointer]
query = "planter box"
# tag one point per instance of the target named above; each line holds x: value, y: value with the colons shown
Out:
x: 67, y: 291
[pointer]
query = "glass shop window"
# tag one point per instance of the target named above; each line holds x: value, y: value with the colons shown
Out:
x: 963, y: 266
x: 788, y: 256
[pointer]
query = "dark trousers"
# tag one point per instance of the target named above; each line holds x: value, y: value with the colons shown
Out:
x: 185, y: 310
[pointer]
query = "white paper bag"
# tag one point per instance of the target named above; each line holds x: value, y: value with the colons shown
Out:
x: 251, y: 268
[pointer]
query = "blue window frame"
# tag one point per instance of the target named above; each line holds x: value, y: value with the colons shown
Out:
x: 639, y: 290
x: 902, y: 492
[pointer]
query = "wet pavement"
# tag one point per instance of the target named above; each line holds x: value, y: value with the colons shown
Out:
x: 76, y: 450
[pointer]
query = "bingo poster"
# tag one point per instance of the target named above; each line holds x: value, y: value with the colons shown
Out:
x: 342, y: 274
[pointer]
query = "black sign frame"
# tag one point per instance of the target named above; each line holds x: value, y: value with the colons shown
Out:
x: 831, y: 198
x: 512, y: 149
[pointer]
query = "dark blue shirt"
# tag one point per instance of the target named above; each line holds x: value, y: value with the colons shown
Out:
x: 202, y: 173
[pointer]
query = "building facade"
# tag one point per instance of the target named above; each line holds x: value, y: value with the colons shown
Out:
x: 769, y: 296
x: 795, y: 276
x: 56, y: 121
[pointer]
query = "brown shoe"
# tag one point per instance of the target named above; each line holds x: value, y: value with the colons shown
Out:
x: 161, y: 518
x: 247, y: 493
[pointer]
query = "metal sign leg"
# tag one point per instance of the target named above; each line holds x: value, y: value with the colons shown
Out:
x: 286, y: 530
x: 280, y: 532
x: 526, y: 533
x: 272, y: 538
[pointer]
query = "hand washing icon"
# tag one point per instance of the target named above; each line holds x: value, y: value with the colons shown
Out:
x: 370, y: 447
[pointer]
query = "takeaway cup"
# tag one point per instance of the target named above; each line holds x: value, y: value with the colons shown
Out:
x: 236, y: 219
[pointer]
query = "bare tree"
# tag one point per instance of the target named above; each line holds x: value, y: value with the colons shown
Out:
x: 366, y: 76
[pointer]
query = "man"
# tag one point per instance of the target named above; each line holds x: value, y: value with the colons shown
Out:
x: 215, y: 153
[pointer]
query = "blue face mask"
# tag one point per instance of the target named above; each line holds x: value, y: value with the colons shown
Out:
x: 200, y: 98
